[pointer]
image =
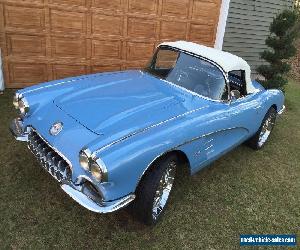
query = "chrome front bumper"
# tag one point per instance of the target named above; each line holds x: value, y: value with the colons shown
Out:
x: 17, y: 130
x: 78, y: 192
x: 88, y: 203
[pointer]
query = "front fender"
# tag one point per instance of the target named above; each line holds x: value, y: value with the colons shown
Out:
x: 267, y: 99
x: 127, y: 160
x: 275, y: 97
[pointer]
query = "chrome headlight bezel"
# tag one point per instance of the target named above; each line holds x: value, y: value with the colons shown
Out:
x: 96, y: 171
x: 23, y: 106
x: 95, y: 166
x: 84, y: 161
x: 16, y: 99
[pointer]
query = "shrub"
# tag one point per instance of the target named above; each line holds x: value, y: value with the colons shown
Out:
x: 283, y: 32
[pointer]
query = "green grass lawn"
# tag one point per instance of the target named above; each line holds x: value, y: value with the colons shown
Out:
x: 244, y: 192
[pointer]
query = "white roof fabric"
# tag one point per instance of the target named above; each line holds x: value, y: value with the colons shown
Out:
x: 225, y: 60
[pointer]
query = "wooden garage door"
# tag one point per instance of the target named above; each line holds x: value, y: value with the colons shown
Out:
x: 52, y: 39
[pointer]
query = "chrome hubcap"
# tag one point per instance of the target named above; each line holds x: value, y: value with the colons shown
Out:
x: 163, y: 190
x: 266, y: 130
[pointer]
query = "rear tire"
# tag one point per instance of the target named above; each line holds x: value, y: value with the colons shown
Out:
x: 154, y: 190
x: 262, y: 135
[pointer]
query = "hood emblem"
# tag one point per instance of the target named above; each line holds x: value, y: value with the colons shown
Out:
x: 56, y: 128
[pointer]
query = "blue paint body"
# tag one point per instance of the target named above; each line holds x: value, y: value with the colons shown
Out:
x: 130, y: 118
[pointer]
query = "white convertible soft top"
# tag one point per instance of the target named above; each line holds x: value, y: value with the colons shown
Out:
x: 225, y: 60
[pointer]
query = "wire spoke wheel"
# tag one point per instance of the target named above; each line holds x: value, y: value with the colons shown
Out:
x: 154, y: 190
x: 163, y: 190
x: 266, y: 129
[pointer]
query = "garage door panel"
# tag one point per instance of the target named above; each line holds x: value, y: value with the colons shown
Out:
x: 2, y: 16
x: 52, y: 39
x: 33, y: 1
x: 136, y: 51
x: 22, y: 17
x: 208, y: 10
x: 27, y: 72
x: 143, y: 6
x: 67, y: 22
x: 115, y: 5
x: 107, y: 25
x: 203, y: 33
x: 173, y: 30
x: 103, y: 49
x: 106, y: 68
x: 2, y: 44
x: 176, y: 8
x: 26, y: 45
x: 69, y: 2
x: 135, y: 65
x: 142, y: 28
x: 63, y: 71
x: 68, y: 47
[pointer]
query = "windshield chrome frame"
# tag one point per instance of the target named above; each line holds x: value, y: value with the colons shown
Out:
x: 225, y: 75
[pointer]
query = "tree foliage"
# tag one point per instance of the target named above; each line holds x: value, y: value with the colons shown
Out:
x: 283, y: 32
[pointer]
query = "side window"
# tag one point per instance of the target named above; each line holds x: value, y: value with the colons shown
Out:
x: 237, y: 81
x: 163, y: 62
x: 166, y: 59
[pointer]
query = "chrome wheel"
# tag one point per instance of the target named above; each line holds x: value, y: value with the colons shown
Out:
x: 163, y: 190
x: 266, y: 129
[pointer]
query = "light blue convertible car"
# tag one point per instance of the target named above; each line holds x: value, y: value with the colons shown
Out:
x: 117, y: 138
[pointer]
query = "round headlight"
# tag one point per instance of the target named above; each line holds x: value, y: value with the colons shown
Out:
x: 84, y: 161
x: 96, y: 171
x: 23, y: 106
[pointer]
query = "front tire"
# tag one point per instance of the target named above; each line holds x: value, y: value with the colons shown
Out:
x: 153, y: 192
x: 263, y: 134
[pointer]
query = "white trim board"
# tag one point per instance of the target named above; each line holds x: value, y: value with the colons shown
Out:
x: 222, y: 24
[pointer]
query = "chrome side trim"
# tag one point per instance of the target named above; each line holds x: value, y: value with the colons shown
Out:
x: 145, y: 129
x: 280, y: 112
x: 104, y: 207
x: 201, y: 136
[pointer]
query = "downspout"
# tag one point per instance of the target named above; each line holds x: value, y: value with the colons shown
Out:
x: 1, y: 74
x: 222, y: 24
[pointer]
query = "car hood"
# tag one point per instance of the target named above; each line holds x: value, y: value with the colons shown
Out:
x: 121, y: 103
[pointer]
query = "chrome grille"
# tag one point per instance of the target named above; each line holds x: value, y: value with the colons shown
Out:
x: 51, y: 161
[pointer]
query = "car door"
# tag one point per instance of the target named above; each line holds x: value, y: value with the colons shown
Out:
x: 244, y: 113
x: 234, y: 123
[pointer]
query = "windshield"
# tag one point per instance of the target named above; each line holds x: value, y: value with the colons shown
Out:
x: 189, y: 72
